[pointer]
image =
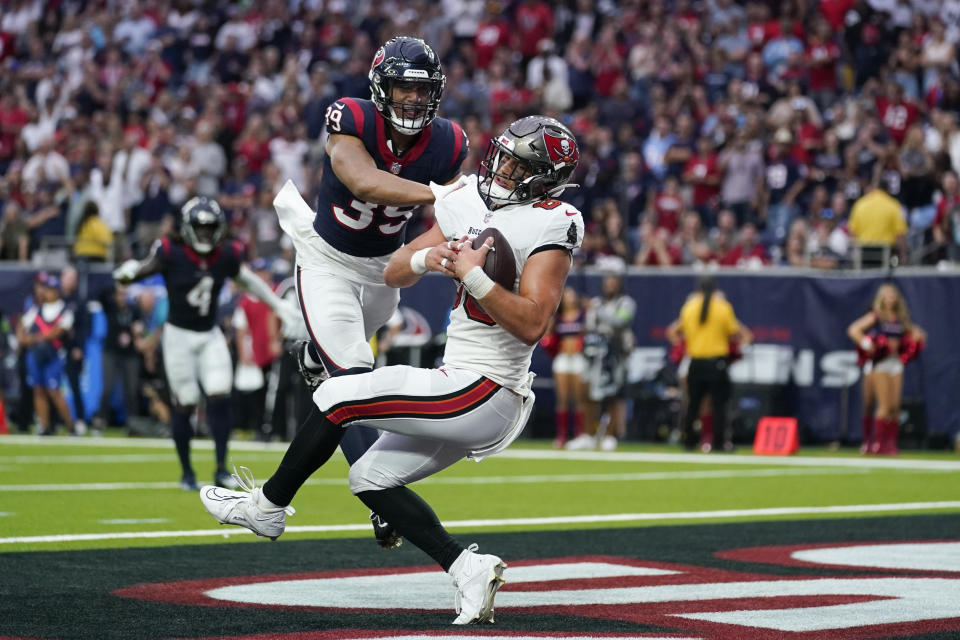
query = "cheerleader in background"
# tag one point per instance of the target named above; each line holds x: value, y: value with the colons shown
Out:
x: 886, y: 339
x: 565, y: 342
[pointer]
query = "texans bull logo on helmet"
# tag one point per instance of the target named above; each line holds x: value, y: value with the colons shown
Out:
x: 561, y: 149
x: 378, y: 58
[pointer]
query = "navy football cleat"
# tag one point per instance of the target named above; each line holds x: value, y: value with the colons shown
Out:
x: 387, y: 537
x: 313, y: 377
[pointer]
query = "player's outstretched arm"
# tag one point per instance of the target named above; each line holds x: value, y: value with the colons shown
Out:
x: 133, y: 270
x: 357, y: 170
x: 430, y: 251
x: 525, y: 315
x: 293, y: 327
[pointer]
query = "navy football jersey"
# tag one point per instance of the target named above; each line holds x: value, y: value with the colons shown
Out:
x: 366, y: 229
x: 194, y: 281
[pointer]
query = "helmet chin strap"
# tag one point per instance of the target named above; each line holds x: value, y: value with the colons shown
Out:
x: 397, y: 123
x: 499, y: 194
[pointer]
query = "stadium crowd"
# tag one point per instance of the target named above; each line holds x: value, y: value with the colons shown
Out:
x: 735, y: 133
x: 740, y: 133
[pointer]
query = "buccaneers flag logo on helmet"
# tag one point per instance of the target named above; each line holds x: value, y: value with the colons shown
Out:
x: 561, y: 149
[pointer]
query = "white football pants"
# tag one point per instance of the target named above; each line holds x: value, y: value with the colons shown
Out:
x: 194, y: 359
x: 342, y: 316
x: 431, y: 418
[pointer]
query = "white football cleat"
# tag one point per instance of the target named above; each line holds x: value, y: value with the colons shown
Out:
x: 245, y: 508
x: 581, y: 442
x: 609, y: 443
x: 477, y: 578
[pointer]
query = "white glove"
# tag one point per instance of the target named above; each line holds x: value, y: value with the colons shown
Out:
x: 292, y: 325
x: 125, y: 273
x: 440, y: 191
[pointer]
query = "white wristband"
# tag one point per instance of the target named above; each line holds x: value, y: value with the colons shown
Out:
x: 866, y: 344
x: 418, y: 261
x: 477, y: 283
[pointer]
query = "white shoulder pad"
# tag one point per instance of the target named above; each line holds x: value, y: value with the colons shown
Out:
x: 563, y: 227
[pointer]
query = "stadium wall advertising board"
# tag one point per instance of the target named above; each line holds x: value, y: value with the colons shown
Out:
x: 799, y: 320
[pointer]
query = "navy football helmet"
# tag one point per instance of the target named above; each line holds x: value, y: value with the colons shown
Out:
x: 202, y: 224
x: 403, y: 60
x: 533, y: 158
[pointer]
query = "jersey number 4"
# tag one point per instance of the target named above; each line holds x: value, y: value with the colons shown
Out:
x: 201, y: 295
x: 472, y: 308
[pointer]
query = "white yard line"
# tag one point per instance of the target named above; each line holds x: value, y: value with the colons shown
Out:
x: 720, y: 459
x: 511, y: 522
x: 112, y: 458
x: 135, y: 520
x: 135, y: 443
x: 461, y: 480
x: 520, y: 453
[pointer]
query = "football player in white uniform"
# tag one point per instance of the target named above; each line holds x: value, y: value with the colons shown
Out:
x: 478, y: 401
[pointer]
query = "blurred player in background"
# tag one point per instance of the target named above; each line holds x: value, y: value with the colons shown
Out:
x: 381, y: 154
x: 886, y: 339
x: 478, y: 401
x: 195, y: 262
x: 42, y: 331
x: 607, y: 346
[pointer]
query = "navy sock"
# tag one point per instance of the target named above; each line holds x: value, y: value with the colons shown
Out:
x: 313, y: 445
x: 182, y: 431
x: 219, y: 416
x: 416, y: 521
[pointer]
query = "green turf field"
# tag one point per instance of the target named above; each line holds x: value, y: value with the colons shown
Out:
x: 97, y: 542
x: 65, y: 493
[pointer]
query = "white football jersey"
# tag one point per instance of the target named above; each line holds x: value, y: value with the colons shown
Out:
x: 474, y: 341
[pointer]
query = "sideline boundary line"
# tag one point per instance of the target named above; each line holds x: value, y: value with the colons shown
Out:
x: 478, y: 480
x: 508, y: 522
x: 518, y: 452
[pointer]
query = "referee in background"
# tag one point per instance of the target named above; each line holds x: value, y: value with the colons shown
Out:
x: 709, y: 324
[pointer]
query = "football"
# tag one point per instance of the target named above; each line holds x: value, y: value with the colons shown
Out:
x: 500, y: 265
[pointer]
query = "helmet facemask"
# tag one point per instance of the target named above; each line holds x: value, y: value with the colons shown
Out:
x: 504, y: 178
x: 203, y: 225
x: 411, y: 117
x: 205, y: 237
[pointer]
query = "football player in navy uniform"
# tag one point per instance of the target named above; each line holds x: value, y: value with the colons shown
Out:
x: 194, y: 263
x: 384, y: 157
x: 479, y: 400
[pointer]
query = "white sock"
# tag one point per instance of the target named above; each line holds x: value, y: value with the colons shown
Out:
x: 458, y: 563
x: 265, y: 504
